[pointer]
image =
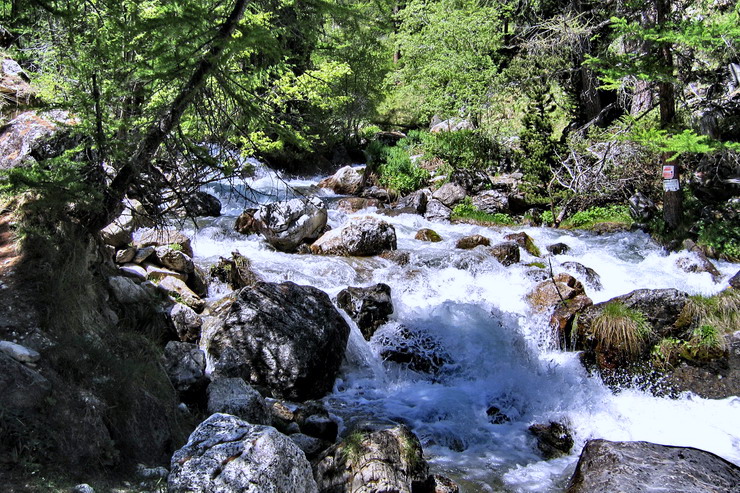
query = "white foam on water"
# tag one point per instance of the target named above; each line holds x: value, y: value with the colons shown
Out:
x: 498, y: 353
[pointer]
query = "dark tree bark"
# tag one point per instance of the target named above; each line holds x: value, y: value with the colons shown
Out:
x: 132, y: 168
x: 672, y: 201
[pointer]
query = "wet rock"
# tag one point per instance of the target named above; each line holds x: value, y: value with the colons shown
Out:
x: 165, y: 237
x: 225, y: 453
x: 414, y: 348
x: 491, y: 202
x: 22, y: 388
x: 507, y: 253
x: 437, y: 211
x: 368, y: 307
x: 735, y: 280
x: 606, y: 467
x: 363, y: 236
x: 354, y: 204
x: 187, y: 322
x: 558, y: 248
x: 235, y: 271
x: 185, y: 365
x: 396, y: 256
x: 591, y: 277
x: 698, y: 262
x: 470, y: 242
x: 346, y: 181
x: 20, y: 353
x: 180, y: 291
x: 286, y: 225
x: 553, y: 440
x: 497, y: 417
x: 202, y: 204
x: 524, y: 241
x: 174, y: 258
x: 246, y: 223
x: 449, y: 194
x: 414, y: 202
x: 642, y: 209
x: 426, y: 234
x: 233, y: 396
x: 374, y: 461
x: 286, y: 339
x: 33, y: 136
x: 562, y: 318
x: 550, y: 292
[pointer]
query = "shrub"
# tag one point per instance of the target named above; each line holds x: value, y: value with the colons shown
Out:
x: 706, y: 343
x: 588, y: 218
x: 665, y: 355
x: 723, y: 238
x: 400, y: 173
x: 621, y: 330
x: 466, y: 210
x: 463, y: 149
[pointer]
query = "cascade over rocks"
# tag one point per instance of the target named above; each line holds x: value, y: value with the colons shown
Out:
x: 368, y: 307
x: 226, y: 454
x: 372, y: 461
x: 553, y: 440
x: 592, y: 278
x: 285, y: 225
x: 606, y: 467
x: 346, y: 181
x: 285, y: 339
x: 415, y: 348
x: 550, y: 292
x: 361, y: 236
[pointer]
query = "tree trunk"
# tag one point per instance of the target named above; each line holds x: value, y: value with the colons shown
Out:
x: 131, y: 169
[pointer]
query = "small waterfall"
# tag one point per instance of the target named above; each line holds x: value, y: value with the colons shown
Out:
x: 496, y: 351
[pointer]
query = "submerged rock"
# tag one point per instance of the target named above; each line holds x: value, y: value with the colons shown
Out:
x: 246, y: 224
x: 607, y: 467
x: 558, y: 248
x: 507, y: 252
x: 550, y: 292
x: 225, y: 454
x: 415, y: 348
x: 553, y: 440
x: 286, y: 339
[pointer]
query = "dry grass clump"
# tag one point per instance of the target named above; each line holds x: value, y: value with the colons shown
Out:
x: 620, y: 329
x: 721, y: 311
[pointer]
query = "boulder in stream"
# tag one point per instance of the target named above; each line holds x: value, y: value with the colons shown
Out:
x: 225, y: 454
x: 426, y: 234
x: 553, y: 440
x: 525, y: 241
x: 369, y: 307
x: 470, y: 242
x: 286, y: 340
x: 607, y: 467
x: 286, y: 225
x: 361, y: 236
x: 346, y: 181
x: 202, y: 204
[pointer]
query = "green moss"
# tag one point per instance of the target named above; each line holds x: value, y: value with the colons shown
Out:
x: 615, y: 214
x: 539, y: 265
x: 466, y: 210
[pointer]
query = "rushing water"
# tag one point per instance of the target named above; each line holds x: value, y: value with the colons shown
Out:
x: 500, y: 353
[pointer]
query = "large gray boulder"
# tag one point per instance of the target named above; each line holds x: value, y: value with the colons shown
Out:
x: 234, y: 396
x: 346, y: 181
x: 437, y: 211
x: 33, y: 136
x: 387, y: 460
x: 369, y: 307
x: 415, y: 201
x: 287, y: 340
x: 450, y: 194
x: 491, y: 201
x: 363, y: 236
x: 285, y: 225
x: 225, y: 454
x: 608, y: 467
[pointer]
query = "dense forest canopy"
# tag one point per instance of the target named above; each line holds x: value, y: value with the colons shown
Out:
x: 587, y: 99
